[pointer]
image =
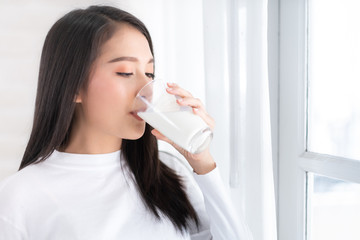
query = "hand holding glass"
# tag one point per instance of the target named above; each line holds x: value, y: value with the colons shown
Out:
x: 178, y: 123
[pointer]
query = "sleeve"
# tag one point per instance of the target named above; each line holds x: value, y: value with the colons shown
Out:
x: 9, y: 231
x: 211, y: 200
x: 8, y: 209
x: 223, y: 222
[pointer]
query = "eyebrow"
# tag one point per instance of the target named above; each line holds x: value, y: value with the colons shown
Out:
x: 126, y: 58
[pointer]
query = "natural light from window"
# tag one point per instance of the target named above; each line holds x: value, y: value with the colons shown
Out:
x: 334, y: 78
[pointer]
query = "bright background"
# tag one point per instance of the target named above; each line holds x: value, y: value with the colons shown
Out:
x: 218, y: 50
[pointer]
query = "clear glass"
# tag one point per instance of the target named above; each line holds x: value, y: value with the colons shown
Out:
x: 334, y: 77
x: 333, y: 209
x: 178, y: 123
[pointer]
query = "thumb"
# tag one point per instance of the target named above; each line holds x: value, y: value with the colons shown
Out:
x: 162, y: 137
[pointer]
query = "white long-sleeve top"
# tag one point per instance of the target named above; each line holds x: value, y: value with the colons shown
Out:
x: 91, y: 196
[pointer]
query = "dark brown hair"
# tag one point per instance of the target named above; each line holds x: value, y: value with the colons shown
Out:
x: 71, y: 47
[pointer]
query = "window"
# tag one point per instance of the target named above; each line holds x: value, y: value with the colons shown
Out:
x: 319, y: 120
x: 333, y: 119
x: 334, y: 77
x: 333, y: 208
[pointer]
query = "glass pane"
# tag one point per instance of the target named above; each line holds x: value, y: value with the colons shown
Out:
x: 333, y: 209
x: 334, y: 77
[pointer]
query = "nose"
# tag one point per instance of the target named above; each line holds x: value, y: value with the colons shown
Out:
x: 145, y: 79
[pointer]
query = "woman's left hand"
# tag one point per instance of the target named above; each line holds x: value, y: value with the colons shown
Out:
x: 203, y: 162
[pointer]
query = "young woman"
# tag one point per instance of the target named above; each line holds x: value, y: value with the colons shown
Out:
x: 91, y: 169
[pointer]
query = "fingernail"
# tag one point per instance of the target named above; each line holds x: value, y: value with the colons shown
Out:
x: 180, y: 100
x: 169, y: 89
x: 171, y: 84
x: 196, y: 109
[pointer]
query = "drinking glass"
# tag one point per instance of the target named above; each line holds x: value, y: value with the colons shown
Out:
x: 178, y: 123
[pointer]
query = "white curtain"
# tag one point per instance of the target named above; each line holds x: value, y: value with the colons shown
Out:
x: 218, y: 51
x: 235, y: 37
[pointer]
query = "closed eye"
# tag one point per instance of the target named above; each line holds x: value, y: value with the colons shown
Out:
x: 150, y: 75
x: 124, y: 74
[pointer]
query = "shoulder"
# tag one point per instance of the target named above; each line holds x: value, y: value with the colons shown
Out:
x: 18, y: 186
x: 14, y: 179
x: 22, y: 199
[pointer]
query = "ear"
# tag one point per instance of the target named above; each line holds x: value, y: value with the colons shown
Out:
x: 77, y: 98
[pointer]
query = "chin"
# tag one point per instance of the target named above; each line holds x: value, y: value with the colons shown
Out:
x: 136, y: 134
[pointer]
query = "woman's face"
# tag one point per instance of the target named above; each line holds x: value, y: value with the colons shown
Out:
x: 124, y: 66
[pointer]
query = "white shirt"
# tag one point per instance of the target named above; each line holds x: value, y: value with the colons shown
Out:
x: 91, y: 196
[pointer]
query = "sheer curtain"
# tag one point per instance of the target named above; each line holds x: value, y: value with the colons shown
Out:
x: 237, y: 93
x: 218, y: 50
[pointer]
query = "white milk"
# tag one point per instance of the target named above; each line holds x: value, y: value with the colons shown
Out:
x: 180, y: 126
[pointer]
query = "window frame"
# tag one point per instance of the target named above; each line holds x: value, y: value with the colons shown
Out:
x: 294, y: 159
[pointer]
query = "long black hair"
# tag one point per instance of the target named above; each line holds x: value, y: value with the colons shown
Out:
x: 71, y: 47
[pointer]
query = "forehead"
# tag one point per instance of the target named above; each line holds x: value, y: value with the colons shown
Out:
x: 126, y: 41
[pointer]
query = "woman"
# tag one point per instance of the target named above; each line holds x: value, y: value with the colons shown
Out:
x: 91, y: 169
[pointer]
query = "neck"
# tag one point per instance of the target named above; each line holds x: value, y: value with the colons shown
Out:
x: 87, y: 139
x: 91, y: 144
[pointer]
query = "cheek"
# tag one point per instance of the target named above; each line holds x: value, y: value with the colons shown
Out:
x: 105, y: 100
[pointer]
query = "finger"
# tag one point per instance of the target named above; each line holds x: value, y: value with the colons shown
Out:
x: 198, y: 109
x: 206, y: 117
x: 176, y: 90
x: 192, y: 102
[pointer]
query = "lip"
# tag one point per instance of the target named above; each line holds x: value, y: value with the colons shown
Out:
x: 134, y: 114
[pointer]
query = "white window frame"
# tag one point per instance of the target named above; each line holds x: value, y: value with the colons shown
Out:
x: 294, y: 160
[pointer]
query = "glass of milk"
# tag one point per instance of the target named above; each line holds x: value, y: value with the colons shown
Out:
x: 178, y: 123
